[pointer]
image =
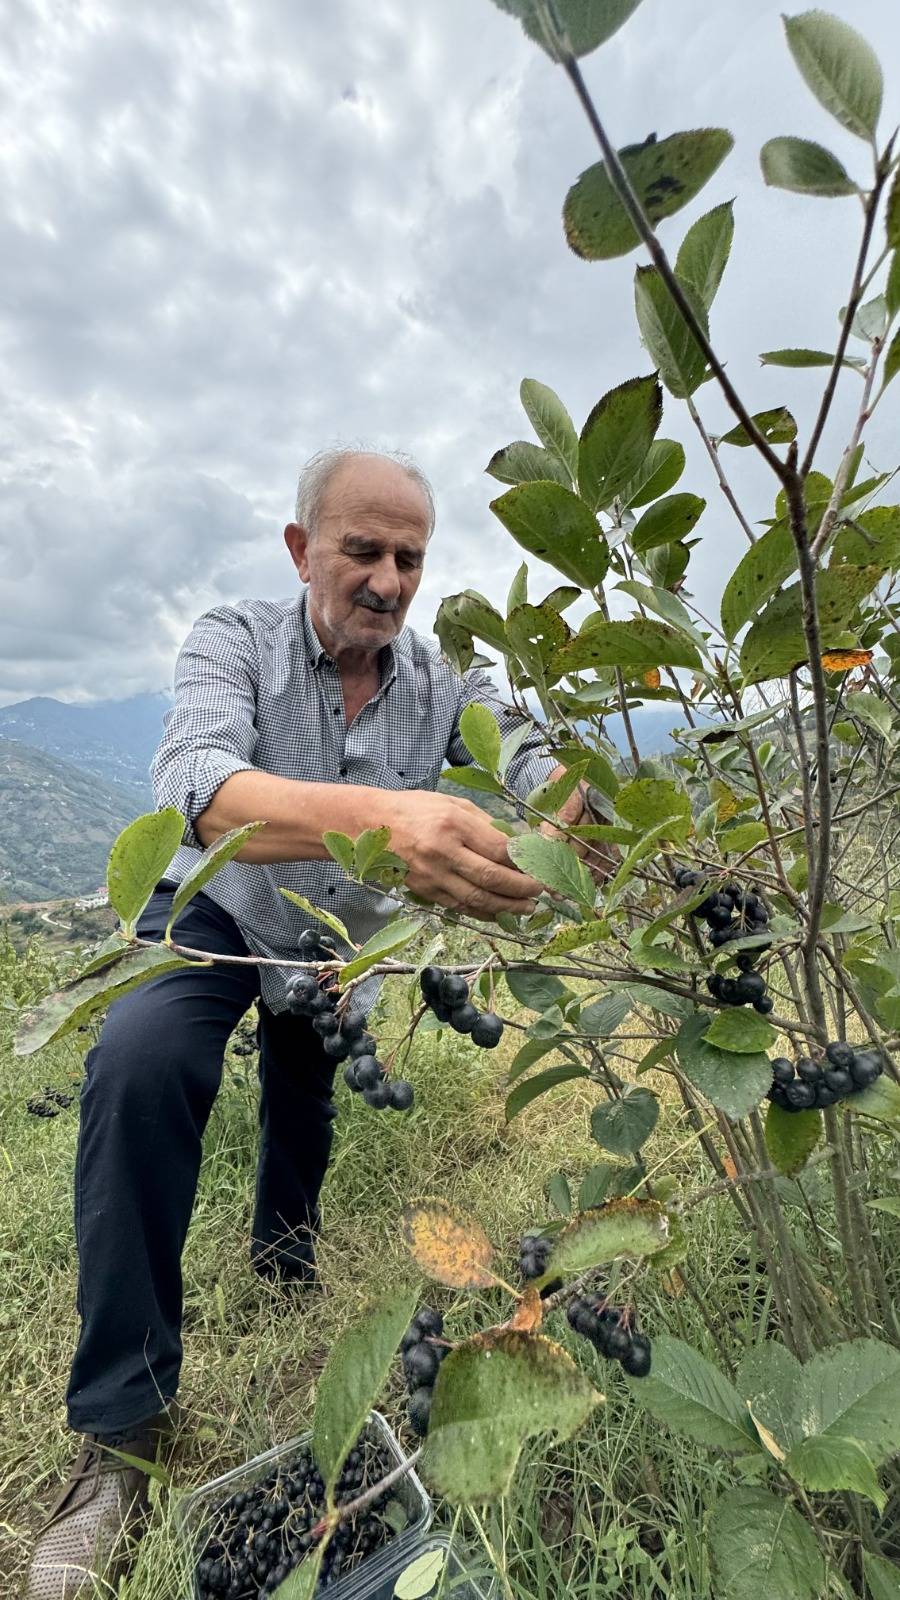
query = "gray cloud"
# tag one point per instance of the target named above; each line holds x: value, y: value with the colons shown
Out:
x: 234, y: 234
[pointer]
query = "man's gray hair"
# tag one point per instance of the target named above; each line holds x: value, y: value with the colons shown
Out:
x: 318, y: 471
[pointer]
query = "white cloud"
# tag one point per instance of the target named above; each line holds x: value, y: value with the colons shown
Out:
x: 235, y: 233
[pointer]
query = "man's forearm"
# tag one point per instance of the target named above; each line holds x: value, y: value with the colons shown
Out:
x: 296, y: 814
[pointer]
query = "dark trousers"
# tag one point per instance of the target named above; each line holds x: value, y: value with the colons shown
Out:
x: 149, y: 1088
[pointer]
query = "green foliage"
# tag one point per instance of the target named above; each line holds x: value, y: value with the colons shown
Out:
x: 634, y: 1228
x: 551, y: 522
x: 791, y: 1138
x: 839, y: 67
x: 354, y: 1376
x: 67, y: 1009
x: 804, y: 167
x: 733, y: 1081
x: 623, y: 1125
x: 138, y: 859
x: 779, y: 1558
x: 689, y: 1395
x: 481, y: 736
x: 666, y: 334
x: 587, y: 23
x: 616, y: 438
x: 665, y: 174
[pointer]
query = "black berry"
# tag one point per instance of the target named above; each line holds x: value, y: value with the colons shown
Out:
x: 402, y: 1095
x: 488, y: 1031
x: 454, y: 990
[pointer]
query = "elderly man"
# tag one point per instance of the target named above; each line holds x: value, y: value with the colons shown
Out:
x: 322, y: 711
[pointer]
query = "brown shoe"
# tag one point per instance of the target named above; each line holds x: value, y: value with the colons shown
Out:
x: 98, y: 1515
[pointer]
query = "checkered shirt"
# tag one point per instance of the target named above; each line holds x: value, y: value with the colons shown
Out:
x: 255, y: 691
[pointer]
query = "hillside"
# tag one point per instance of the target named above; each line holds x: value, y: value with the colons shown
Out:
x: 57, y: 823
x: 113, y: 738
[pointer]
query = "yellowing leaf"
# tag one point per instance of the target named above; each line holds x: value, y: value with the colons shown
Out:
x: 651, y: 679
x: 448, y: 1246
x: 843, y: 660
x: 529, y: 1313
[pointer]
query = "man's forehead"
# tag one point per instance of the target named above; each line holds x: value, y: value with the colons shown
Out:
x: 375, y: 494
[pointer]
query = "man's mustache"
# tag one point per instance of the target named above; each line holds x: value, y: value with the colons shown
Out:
x: 372, y: 602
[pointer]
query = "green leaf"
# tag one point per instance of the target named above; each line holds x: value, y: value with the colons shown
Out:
x: 670, y: 518
x: 892, y: 358
x: 616, y: 438
x: 660, y: 470
x: 587, y: 23
x: 890, y: 1206
x: 840, y: 68
x: 594, y: 1185
x: 882, y: 1577
x: 553, y: 523
x: 835, y: 1463
x: 666, y: 174
x: 138, y: 859
x: 214, y: 856
x: 761, y: 1546
x: 332, y: 922
x: 494, y: 1392
x: 666, y: 335
x: 535, y: 635
x: 638, y: 643
x: 551, y: 795
x: 776, y: 426
x: 524, y: 462
x: 420, y: 1577
x: 892, y: 213
x: 112, y: 949
x: 872, y: 538
x: 690, y: 1395
x: 533, y: 988
x: 355, y: 1374
x: 633, y: 1228
x: 805, y: 358
x: 471, y: 611
x: 552, y: 423
x: 481, y: 736
x: 368, y: 846
x: 743, y: 837
x: 604, y: 1016
x: 768, y: 1379
x: 623, y: 1125
x: 554, y: 863
x: 533, y: 1050
x: 775, y: 643
x: 733, y: 1082
x: 574, y: 935
x: 852, y: 1391
x: 303, y: 1582
x: 529, y: 1089
x: 65, y: 1009
x: 670, y: 827
x: 758, y: 575
x: 472, y: 778
x: 791, y: 1138
x: 874, y: 712
x: 742, y: 1030
x: 382, y: 944
x: 704, y: 252
x: 665, y: 605
x: 341, y: 849
x: 804, y: 167
x: 646, y: 802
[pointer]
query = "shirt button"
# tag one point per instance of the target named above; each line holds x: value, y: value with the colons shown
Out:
x: 342, y: 771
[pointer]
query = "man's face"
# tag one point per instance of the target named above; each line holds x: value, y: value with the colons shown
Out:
x: 364, y: 563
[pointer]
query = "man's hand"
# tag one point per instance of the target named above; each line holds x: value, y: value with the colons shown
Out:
x: 602, y: 860
x: 456, y: 857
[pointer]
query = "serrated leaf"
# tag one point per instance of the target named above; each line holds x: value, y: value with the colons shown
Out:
x: 551, y: 422
x: 532, y: 1051
x: 510, y: 745
x: 704, y: 252
x: 673, y: 517
x: 623, y: 1125
x: 354, y: 1375
x: 833, y: 1463
x: 481, y: 736
x: 659, y: 471
x: 594, y: 1185
x: 768, y: 1380
x: 804, y: 358
x: 382, y: 944
x: 574, y: 935
x: 665, y: 174
x: 528, y: 1089
x: 524, y: 462
x: 638, y: 643
x: 666, y: 335
x: 616, y: 438
x: 472, y: 778
x: 550, y: 796
x: 804, y: 167
x: 840, y: 67
x: 138, y: 859
x: 632, y: 1228
x: 493, y: 1392
x: 534, y: 988
x: 112, y: 949
x: 448, y: 1245
x: 777, y: 426
x: 761, y: 1546
x: 369, y: 845
x: 332, y: 922
x: 604, y: 1016
x: 64, y: 1010
x: 872, y: 711
x: 646, y: 802
x: 881, y: 1101
x: 853, y: 1391
x: 554, y: 863
x: 742, y: 838
x: 775, y: 643
x: 733, y: 1082
x: 341, y: 849
x: 742, y: 1030
x: 664, y: 605
x: 758, y: 575
x: 690, y: 1395
x: 791, y: 1137
x: 303, y: 1582
x: 470, y: 610
x: 213, y: 858
x: 554, y: 524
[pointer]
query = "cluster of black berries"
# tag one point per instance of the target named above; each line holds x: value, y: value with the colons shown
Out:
x: 534, y: 1254
x: 49, y: 1103
x: 733, y: 913
x: 447, y: 995
x: 259, y: 1535
x: 811, y: 1087
x: 344, y: 1037
x: 421, y: 1359
x: 612, y: 1333
x: 365, y: 1075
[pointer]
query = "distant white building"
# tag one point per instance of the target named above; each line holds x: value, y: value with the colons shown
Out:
x: 92, y: 902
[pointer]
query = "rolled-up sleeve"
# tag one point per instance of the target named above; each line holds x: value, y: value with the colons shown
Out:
x: 530, y: 765
x: 210, y: 732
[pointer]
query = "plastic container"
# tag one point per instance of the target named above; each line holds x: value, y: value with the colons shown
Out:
x: 366, y: 1578
x: 455, y: 1579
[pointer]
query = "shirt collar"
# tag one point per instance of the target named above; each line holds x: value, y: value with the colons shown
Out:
x: 316, y: 652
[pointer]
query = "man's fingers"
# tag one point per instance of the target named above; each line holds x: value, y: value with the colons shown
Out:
x: 458, y: 894
x: 495, y: 878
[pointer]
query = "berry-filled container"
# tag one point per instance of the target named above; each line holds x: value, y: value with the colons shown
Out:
x: 215, y: 1537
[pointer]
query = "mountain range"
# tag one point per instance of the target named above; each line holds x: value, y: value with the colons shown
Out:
x: 72, y: 776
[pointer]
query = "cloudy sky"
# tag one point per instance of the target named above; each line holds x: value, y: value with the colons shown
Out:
x: 234, y: 232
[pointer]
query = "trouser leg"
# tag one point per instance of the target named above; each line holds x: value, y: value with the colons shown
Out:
x: 149, y: 1087
x: 296, y: 1114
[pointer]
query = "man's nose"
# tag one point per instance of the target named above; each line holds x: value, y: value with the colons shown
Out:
x: 385, y: 580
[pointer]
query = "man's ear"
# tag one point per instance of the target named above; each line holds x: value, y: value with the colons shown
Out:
x: 297, y: 541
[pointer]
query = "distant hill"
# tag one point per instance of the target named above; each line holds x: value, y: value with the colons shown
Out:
x: 115, y: 739
x: 57, y: 823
